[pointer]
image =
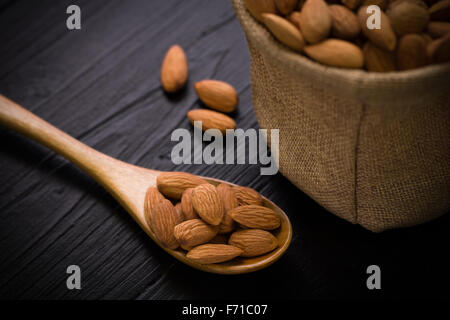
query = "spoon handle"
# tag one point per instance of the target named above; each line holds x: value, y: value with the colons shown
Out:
x: 127, y: 183
x: 17, y: 118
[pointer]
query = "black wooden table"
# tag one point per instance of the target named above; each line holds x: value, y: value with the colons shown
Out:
x: 101, y: 85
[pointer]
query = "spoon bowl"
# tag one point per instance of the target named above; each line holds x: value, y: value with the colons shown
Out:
x: 128, y: 184
x: 240, y: 264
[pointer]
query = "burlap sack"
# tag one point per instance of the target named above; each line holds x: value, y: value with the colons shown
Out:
x: 374, y: 149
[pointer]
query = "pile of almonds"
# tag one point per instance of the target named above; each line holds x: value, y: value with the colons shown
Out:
x: 212, y: 224
x: 217, y: 95
x: 413, y: 33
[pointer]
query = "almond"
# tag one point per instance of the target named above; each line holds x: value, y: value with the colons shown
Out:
x: 384, y: 37
x: 230, y: 202
x: 219, y: 239
x: 286, y: 6
x: 211, y: 120
x: 208, y: 204
x: 439, y: 50
x: 351, y: 4
x: 300, y: 4
x: 213, y: 253
x: 193, y: 232
x: 440, y: 11
x: 294, y: 18
x: 381, y: 3
x: 257, y: 217
x: 173, y: 184
x: 186, y: 205
x: 163, y: 221
x: 417, y: 2
x: 315, y: 20
x: 174, y: 69
x: 345, y: 24
x: 429, y: 2
x: 412, y: 52
x: 286, y: 32
x: 217, y: 95
x: 179, y: 212
x: 408, y: 17
x: 377, y: 59
x: 247, y: 196
x: 426, y: 37
x: 437, y: 29
x: 258, y: 7
x: 253, y: 242
x: 152, y: 196
x: 336, y: 53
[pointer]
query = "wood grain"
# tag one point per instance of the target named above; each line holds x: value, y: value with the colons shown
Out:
x: 101, y: 85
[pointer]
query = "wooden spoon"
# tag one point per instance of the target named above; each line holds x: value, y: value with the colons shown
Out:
x: 128, y: 184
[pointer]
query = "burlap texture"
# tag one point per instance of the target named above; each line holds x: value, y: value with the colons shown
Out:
x: 372, y: 148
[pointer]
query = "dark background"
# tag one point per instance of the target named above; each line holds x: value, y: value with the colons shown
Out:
x: 101, y: 85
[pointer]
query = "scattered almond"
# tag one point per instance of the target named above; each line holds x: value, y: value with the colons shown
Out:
x: 258, y: 7
x: 253, y: 242
x: 193, y: 232
x: 208, y: 204
x: 213, y: 253
x: 377, y: 59
x: 384, y: 37
x: 152, y: 196
x: 230, y: 202
x: 258, y: 217
x: 163, y: 221
x: 211, y: 120
x: 218, y: 95
x: 336, y: 53
x: 345, y: 24
x: 284, y: 31
x: 186, y: 205
x: 173, y: 184
x: 247, y: 196
x: 174, y: 69
x: 412, y: 52
x: 315, y: 20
